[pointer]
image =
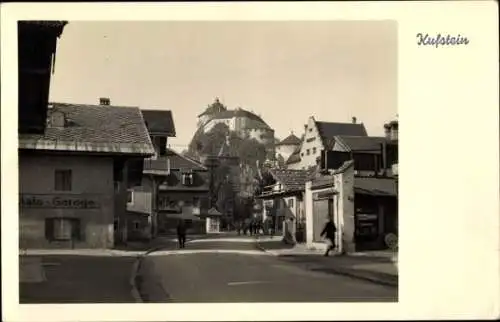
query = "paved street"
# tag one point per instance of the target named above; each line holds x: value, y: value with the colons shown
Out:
x: 229, y: 271
x: 80, y: 279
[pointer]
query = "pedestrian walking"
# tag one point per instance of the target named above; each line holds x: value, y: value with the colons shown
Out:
x: 329, y: 232
x: 181, y: 233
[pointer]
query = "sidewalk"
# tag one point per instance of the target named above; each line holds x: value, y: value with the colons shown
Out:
x: 75, y: 279
x: 376, y: 266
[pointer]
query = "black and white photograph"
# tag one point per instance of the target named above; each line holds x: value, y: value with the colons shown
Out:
x: 240, y: 164
x: 211, y: 159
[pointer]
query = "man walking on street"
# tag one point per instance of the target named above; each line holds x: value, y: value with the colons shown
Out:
x: 329, y: 231
x: 181, y: 233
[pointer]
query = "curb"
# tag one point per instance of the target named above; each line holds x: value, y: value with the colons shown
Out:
x: 133, y: 283
x: 386, y: 281
x: 377, y: 280
x: 135, y: 269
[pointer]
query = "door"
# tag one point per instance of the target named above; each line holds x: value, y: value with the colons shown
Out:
x: 320, y: 215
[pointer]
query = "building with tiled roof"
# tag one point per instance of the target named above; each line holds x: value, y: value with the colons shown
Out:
x: 361, y: 144
x: 363, y: 208
x: 73, y: 176
x: 283, y: 198
x: 94, y: 129
x: 318, y: 136
x: 245, y: 123
x: 287, y: 146
x: 159, y: 122
x: 174, y: 187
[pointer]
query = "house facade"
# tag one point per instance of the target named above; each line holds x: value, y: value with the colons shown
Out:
x: 317, y: 137
x: 173, y: 187
x: 287, y: 146
x: 283, y: 202
x: 358, y: 188
x: 73, y: 176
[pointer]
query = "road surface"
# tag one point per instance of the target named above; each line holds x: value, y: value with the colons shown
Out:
x: 229, y: 271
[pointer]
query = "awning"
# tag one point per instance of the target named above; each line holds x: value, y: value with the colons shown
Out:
x: 212, y: 212
x: 375, y: 186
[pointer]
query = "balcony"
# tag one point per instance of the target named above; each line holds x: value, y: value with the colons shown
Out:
x: 271, y: 189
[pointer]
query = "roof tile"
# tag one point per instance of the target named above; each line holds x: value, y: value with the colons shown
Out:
x: 292, y: 180
x: 93, y: 128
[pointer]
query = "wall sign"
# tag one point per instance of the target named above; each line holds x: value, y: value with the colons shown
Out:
x: 59, y: 201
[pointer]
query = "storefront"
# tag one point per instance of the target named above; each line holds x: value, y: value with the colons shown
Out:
x: 376, y: 212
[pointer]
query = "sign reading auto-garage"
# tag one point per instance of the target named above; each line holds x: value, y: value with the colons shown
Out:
x: 59, y: 201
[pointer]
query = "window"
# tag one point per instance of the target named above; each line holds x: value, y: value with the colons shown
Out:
x: 63, y: 229
x: 314, y: 150
x: 187, y: 179
x: 137, y: 225
x: 62, y: 180
x: 302, y: 154
x: 308, y: 152
x: 290, y: 203
x: 130, y: 196
x: 310, y: 129
x: 311, y: 139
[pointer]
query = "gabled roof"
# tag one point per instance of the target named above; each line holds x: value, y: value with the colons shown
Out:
x: 292, y: 180
x: 294, y: 157
x: 93, y: 128
x: 290, y: 140
x: 375, y: 186
x: 328, y: 130
x: 173, y: 159
x: 366, y: 144
x: 159, y: 121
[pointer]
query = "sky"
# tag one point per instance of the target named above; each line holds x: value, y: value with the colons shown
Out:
x: 283, y: 71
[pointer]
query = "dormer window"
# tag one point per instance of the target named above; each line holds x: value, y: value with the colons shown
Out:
x: 57, y: 119
x: 187, y: 178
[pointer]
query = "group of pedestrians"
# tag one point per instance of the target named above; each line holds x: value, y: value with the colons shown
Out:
x: 254, y: 227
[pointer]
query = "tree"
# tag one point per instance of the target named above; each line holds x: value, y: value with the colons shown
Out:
x: 250, y: 153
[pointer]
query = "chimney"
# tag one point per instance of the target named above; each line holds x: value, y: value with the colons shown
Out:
x: 387, y: 131
x: 354, y: 120
x: 394, y: 130
x: 104, y: 101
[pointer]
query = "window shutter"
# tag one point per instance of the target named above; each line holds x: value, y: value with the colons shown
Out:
x: 75, y: 229
x: 49, y: 229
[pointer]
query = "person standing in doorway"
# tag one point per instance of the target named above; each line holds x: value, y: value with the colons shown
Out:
x: 181, y: 233
x: 329, y: 232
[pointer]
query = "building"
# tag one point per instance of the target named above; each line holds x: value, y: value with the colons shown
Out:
x: 173, y: 186
x: 283, y: 201
x: 364, y: 209
x: 287, y: 146
x: 357, y: 186
x: 73, y: 177
x: 317, y: 137
x: 243, y: 122
x: 37, y: 43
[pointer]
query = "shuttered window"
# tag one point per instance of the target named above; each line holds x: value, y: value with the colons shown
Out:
x: 63, y: 229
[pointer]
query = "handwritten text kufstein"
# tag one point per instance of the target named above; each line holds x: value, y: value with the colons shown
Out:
x: 441, y: 40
